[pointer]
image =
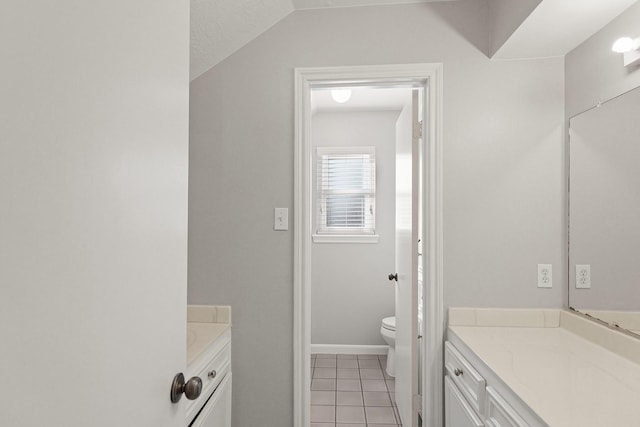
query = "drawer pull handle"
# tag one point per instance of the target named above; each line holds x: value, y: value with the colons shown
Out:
x: 212, y: 374
x: 458, y: 372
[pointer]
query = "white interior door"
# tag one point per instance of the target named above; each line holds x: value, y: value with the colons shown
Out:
x: 407, y: 234
x: 93, y: 223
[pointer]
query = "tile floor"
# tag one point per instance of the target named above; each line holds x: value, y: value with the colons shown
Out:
x: 349, y: 390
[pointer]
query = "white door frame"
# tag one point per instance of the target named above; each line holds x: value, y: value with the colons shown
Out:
x: 430, y: 75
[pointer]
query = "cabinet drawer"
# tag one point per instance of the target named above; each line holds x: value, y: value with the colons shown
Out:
x: 211, y: 375
x: 468, y: 380
x: 499, y: 413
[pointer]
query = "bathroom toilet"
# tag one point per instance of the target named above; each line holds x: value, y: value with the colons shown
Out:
x: 388, y: 332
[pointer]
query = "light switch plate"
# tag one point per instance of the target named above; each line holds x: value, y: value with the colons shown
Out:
x: 545, y: 276
x: 281, y: 219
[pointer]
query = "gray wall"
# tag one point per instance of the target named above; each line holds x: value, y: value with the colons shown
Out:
x: 594, y: 73
x: 507, y: 16
x: 503, y: 166
x: 350, y: 291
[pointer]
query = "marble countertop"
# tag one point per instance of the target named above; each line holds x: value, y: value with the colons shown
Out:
x: 566, y: 379
x: 205, y: 324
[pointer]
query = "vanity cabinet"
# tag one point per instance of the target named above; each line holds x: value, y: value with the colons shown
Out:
x: 209, y: 358
x: 472, y: 401
x: 217, y: 411
x: 457, y: 411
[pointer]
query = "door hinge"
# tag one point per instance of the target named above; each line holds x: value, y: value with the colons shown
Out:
x: 417, y: 130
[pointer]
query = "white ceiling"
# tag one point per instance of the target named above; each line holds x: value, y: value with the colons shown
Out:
x: 318, y: 4
x: 362, y: 99
x: 554, y: 28
x: 220, y: 27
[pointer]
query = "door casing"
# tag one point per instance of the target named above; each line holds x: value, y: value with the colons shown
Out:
x: 430, y: 77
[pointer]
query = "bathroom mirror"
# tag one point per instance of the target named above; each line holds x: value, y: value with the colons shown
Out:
x: 604, y: 212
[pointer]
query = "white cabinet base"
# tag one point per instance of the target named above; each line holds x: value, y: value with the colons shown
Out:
x: 217, y: 411
x: 457, y: 411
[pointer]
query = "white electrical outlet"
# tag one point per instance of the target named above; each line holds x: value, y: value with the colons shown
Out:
x: 583, y: 276
x: 545, y: 276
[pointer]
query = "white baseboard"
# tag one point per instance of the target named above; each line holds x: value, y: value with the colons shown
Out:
x: 348, y: 349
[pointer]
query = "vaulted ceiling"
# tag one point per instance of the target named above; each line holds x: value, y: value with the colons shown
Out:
x: 520, y: 28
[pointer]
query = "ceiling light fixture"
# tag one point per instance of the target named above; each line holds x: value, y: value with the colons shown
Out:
x: 630, y: 48
x: 341, y: 95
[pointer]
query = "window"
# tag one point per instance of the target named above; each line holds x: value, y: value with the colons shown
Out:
x: 346, y: 193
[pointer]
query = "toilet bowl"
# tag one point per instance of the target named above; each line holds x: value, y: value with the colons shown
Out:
x: 388, y: 332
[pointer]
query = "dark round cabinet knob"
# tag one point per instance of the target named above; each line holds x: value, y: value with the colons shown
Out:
x: 393, y: 277
x: 191, y: 389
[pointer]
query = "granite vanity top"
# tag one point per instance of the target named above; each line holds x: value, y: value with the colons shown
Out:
x: 568, y: 370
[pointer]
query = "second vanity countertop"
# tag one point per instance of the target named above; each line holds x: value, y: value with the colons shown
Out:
x: 566, y: 379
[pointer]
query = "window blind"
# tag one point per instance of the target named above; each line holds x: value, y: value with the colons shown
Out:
x: 346, y: 190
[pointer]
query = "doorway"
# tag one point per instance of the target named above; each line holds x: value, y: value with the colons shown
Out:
x: 427, y: 79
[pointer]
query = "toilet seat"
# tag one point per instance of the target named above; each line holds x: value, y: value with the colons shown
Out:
x: 389, y: 323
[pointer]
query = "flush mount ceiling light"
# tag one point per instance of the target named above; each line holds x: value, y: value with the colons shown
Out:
x: 341, y: 95
x: 630, y: 48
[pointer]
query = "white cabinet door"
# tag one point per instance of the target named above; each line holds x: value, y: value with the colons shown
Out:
x: 217, y: 411
x: 457, y: 411
x: 499, y: 413
x: 94, y: 103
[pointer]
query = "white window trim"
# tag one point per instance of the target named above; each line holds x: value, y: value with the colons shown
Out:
x: 345, y: 238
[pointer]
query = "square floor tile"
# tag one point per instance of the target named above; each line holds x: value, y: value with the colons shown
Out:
x: 323, y: 414
x: 369, y: 363
x: 322, y: 397
x: 367, y: 356
x: 374, y: 385
x: 325, y: 363
x: 370, y: 374
x: 350, y: 414
x: 324, y: 425
x: 352, y: 425
x: 349, y: 385
x: 348, y: 373
x: 380, y: 415
x: 324, y: 372
x: 349, y: 398
x: 376, y: 398
x: 323, y: 384
x: 347, y: 363
x: 347, y: 356
x: 325, y: 356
